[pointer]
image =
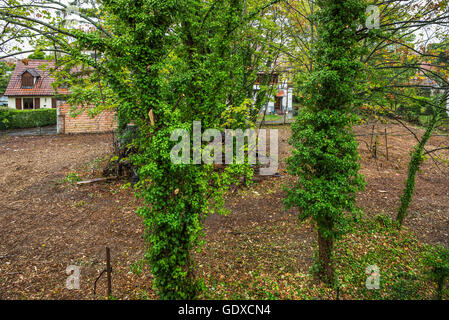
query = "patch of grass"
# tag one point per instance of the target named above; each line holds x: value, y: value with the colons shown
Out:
x: 17, y: 119
x: 72, y: 178
x: 424, y: 119
x: 270, y: 117
x: 398, y: 255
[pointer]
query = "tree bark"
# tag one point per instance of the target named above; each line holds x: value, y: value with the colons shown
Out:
x: 325, y: 261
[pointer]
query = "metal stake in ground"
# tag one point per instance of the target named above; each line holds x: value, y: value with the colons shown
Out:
x: 109, y: 270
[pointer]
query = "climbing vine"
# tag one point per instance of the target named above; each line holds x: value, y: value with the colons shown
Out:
x: 191, y: 83
x: 418, y: 156
x: 325, y: 157
x: 171, y: 63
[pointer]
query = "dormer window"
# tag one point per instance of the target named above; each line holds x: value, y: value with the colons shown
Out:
x: 29, y: 78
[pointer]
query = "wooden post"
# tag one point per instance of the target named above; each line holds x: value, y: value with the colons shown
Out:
x: 386, y: 143
x: 371, y: 142
x: 108, y: 271
x: 376, y: 145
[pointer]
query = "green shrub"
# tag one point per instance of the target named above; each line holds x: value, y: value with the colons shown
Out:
x: 4, y: 114
x: 438, y: 261
x: 407, y: 287
x: 17, y: 119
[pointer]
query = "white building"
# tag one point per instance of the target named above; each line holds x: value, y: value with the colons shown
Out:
x: 282, y: 103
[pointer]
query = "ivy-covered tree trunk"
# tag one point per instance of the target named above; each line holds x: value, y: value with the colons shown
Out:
x: 194, y: 83
x: 325, y: 157
x: 325, y: 263
x: 416, y: 160
x: 170, y: 63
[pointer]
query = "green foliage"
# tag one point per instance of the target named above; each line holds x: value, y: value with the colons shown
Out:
x: 5, y: 76
x: 438, y: 261
x: 17, y: 119
x: 38, y: 54
x: 181, y: 61
x: 72, y: 178
x: 413, y: 110
x: 417, y: 158
x: 325, y: 157
x: 138, y: 267
x: 406, y: 288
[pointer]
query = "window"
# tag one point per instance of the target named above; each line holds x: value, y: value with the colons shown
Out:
x: 28, y: 103
x: 264, y: 78
x: 27, y: 80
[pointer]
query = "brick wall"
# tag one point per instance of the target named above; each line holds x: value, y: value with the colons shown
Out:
x: 83, y: 123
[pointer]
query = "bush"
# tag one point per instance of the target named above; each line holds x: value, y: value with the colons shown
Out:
x: 438, y: 261
x: 407, y: 287
x: 17, y: 119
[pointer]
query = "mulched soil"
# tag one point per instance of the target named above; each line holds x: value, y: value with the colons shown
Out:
x: 428, y: 215
x: 48, y: 224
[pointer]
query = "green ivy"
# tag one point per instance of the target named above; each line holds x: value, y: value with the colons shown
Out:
x: 325, y: 157
x: 438, y: 261
x: 417, y: 158
x: 180, y: 61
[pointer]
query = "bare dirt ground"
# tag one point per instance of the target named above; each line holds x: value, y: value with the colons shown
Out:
x: 428, y: 214
x: 48, y: 224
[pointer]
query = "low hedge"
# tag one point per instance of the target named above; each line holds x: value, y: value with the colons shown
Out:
x: 17, y: 119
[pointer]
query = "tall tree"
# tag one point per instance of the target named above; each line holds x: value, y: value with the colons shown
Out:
x: 162, y: 65
x: 407, y: 74
x: 325, y: 158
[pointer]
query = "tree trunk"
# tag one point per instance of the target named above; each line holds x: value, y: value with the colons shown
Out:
x: 414, y: 165
x: 325, y: 262
x: 440, y: 288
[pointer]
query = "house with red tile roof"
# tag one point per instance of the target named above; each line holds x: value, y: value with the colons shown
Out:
x: 282, y: 102
x: 30, y: 86
x: 432, y: 85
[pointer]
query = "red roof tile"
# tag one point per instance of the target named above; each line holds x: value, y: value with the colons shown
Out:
x: 42, y: 87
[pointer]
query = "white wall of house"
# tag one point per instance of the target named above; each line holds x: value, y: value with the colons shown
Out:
x: 290, y: 99
x: 45, y: 102
x: 287, y: 99
x: 270, y: 107
x: 11, y: 102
